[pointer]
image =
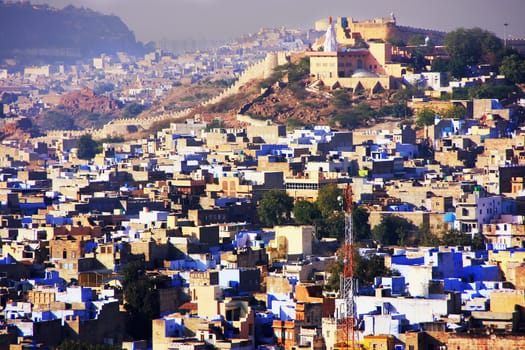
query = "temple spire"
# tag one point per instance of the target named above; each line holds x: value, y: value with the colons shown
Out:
x: 330, y: 41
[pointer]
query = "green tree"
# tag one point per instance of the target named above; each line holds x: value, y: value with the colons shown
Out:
x: 427, y: 238
x: 333, y: 226
x: 360, y: 225
x: 354, y: 117
x: 294, y: 123
x: 87, y: 147
x: 328, y: 200
x: 393, y: 230
x: 513, y: 68
x: 141, y: 299
x: 364, y: 109
x: 385, y: 110
x: 334, y: 270
x: 454, y: 112
x: 132, y: 110
x: 342, y: 99
x: 401, y: 110
x: 478, y: 242
x: 425, y: 116
x: 348, y: 120
x: 416, y: 40
x: 492, y: 91
x: 215, y: 124
x: 440, y: 65
x: 367, y: 268
x: 306, y: 213
x: 275, y: 208
x: 460, y: 93
x: 458, y: 238
x: 469, y: 47
x: 55, y: 120
x: 396, y: 41
x: 418, y: 62
x: 404, y: 95
x: 300, y: 70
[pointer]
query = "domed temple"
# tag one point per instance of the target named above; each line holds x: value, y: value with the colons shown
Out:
x: 358, y: 55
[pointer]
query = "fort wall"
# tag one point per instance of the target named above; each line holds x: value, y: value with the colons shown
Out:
x: 119, y: 127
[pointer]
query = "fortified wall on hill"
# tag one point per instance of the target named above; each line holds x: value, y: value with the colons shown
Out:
x: 117, y: 127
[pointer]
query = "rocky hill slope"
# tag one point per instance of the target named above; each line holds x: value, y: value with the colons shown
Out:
x: 79, y: 109
x: 285, y: 98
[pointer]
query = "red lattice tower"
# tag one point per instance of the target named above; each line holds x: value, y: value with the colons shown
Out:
x: 347, y: 319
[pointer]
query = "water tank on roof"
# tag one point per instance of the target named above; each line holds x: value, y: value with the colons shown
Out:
x: 449, y: 217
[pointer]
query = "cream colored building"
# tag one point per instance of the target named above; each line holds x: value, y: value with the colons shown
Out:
x: 35, y: 71
x: 358, y: 69
x: 306, y: 186
x: 291, y: 241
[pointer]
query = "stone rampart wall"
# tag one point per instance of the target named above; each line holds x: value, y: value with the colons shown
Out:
x: 118, y: 127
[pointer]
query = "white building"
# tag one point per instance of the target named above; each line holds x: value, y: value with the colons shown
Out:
x: 473, y: 210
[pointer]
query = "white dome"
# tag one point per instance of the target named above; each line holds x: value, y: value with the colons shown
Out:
x: 362, y: 73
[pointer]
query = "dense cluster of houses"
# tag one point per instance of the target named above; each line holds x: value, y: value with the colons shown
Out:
x: 184, y: 201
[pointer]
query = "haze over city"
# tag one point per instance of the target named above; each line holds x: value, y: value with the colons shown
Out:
x: 155, y: 20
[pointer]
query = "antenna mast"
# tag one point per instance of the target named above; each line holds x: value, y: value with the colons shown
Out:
x: 347, y: 321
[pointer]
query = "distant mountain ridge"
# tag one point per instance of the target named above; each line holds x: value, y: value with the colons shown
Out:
x: 32, y: 33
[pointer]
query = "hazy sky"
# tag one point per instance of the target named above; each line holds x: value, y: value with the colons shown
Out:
x: 223, y: 19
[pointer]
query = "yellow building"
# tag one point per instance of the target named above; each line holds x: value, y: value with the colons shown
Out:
x: 378, y: 342
x: 506, y: 300
x: 291, y: 241
x: 506, y: 259
x: 355, y: 68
